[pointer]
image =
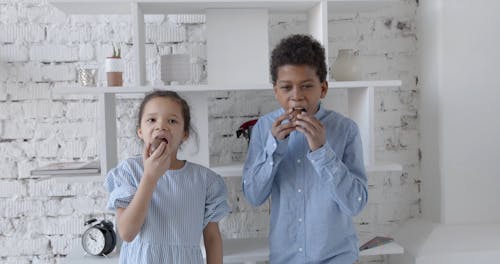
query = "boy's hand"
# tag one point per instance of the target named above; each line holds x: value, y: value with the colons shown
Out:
x: 281, y: 131
x: 158, y: 162
x: 312, y: 128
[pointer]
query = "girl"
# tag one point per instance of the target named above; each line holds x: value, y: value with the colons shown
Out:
x: 164, y: 204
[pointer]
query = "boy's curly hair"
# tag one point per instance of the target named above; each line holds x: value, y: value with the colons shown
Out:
x: 299, y: 50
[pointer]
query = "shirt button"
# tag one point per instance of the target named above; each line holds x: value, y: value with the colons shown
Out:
x: 300, y: 220
x: 359, y: 199
x: 271, y: 163
x: 299, y: 190
x: 300, y: 249
x: 298, y: 161
x: 274, y: 145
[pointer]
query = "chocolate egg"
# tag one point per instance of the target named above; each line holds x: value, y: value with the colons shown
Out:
x: 154, y: 145
x: 295, y: 112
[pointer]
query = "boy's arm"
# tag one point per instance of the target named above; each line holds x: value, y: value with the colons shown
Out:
x: 213, y: 243
x: 264, y: 155
x: 345, y: 175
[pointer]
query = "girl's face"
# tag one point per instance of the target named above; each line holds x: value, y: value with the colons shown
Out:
x: 299, y: 87
x: 162, y: 118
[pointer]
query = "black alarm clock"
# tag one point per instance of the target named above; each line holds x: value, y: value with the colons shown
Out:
x: 100, y: 238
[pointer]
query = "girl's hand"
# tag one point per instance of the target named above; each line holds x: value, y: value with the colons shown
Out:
x: 281, y: 131
x: 313, y: 129
x: 156, y: 164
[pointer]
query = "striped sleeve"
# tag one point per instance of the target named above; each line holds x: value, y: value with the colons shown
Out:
x: 216, y: 206
x: 121, y: 186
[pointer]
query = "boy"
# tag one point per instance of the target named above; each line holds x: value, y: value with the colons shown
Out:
x: 309, y: 159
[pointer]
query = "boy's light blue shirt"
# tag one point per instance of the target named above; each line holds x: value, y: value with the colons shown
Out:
x: 314, y: 194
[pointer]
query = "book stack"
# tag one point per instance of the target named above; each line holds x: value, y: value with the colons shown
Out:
x: 68, y: 168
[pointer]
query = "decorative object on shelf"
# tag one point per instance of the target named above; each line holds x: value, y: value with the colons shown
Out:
x: 87, y: 75
x: 114, y: 68
x: 175, y: 68
x: 100, y: 238
x: 375, y: 242
x: 245, y: 129
x: 68, y: 168
x: 347, y: 66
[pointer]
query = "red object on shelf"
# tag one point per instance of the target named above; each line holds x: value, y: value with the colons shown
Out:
x: 245, y: 129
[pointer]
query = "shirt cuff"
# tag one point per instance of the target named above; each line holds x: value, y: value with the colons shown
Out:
x: 322, y: 156
x: 274, y: 146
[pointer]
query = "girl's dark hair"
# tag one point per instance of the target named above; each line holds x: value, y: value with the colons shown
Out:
x: 186, y: 114
x: 299, y: 50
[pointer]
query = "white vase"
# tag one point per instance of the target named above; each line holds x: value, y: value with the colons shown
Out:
x: 347, y: 66
x: 114, y: 71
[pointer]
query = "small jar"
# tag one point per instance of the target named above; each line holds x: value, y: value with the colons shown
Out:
x: 347, y: 66
x: 87, y: 76
x: 114, y: 71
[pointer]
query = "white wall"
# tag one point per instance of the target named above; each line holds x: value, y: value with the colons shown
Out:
x: 459, y: 111
x: 469, y: 110
x: 429, y: 14
x: 459, y: 56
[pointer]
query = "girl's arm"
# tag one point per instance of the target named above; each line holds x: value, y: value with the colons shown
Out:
x: 131, y: 219
x: 213, y: 243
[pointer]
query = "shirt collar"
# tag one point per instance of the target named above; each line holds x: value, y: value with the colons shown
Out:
x: 321, y: 111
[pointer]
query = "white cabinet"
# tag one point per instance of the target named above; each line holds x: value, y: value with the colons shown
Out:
x: 225, y: 42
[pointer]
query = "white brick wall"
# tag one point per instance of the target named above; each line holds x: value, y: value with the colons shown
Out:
x: 53, y: 53
x: 41, y: 48
x: 13, y: 53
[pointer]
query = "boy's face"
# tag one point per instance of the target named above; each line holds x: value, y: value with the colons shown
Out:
x: 298, y: 86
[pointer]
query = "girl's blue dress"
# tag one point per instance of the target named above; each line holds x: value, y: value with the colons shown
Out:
x: 183, y: 203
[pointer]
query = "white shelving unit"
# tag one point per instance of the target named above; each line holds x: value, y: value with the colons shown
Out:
x: 225, y: 40
x: 245, y: 250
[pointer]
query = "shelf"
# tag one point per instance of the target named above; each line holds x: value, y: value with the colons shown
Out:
x: 363, y: 84
x: 213, y: 88
x: 232, y: 170
x: 252, y: 15
x: 96, y: 7
x: 245, y: 250
x: 388, y: 249
x: 236, y: 169
x: 349, y: 6
x: 251, y: 250
x: 384, y: 167
x: 242, y: 250
x: 76, y: 178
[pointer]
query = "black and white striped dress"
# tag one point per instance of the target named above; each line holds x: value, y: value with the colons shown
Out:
x: 183, y: 203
